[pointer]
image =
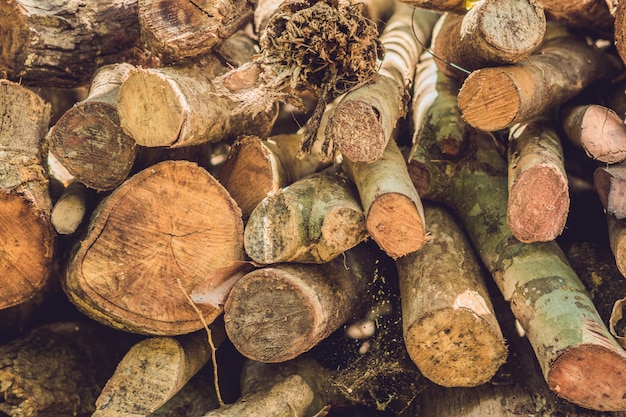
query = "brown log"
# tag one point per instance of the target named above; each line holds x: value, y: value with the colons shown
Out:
x: 538, y: 198
x: 497, y: 98
x: 454, y: 6
x: 449, y: 324
x: 181, y: 105
x: 610, y: 184
x: 174, y: 30
x: 156, y: 237
x: 88, y: 139
x: 492, y: 33
x: 313, y: 220
x: 58, y: 369
x: 593, y: 17
x: 617, y: 241
x: 255, y: 168
x: 316, y: 298
x: 394, y: 215
x: 26, y: 233
x: 61, y: 44
x: 596, y: 129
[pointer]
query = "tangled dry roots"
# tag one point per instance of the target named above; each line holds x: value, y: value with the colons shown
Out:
x: 326, y: 46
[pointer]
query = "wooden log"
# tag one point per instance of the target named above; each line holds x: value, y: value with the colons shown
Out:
x: 26, y: 233
x: 255, y: 168
x: 579, y: 358
x: 317, y: 299
x: 610, y: 184
x: 180, y: 105
x: 492, y: 33
x: 88, y: 139
x: 617, y: 241
x: 596, y: 129
x: 450, y: 328
x: 313, y: 220
x: 61, y: 44
x: 498, y: 97
x: 538, y: 197
x: 142, y: 254
x: 592, y: 17
x: 71, y: 208
x: 153, y: 371
x: 364, y: 119
x: 176, y: 30
x: 58, y: 369
x: 454, y: 6
x: 394, y: 215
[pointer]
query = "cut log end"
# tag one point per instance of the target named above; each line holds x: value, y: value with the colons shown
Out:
x: 481, y: 103
x: 591, y: 376
x: 605, y: 134
x: 344, y: 228
x: 398, y: 234
x: 456, y: 348
x: 356, y: 130
x: 543, y: 217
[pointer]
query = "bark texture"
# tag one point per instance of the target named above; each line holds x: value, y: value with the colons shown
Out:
x: 593, y: 17
x: 610, y: 184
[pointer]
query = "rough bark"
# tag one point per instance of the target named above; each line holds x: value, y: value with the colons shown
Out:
x: 597, y: 130
x: 498, y: 97
x: 60, y: 43
x: 88, y: 139
x: 592, y: 17
x: 313, y: 220
x: 181, y: 105
x: 610, y: 184
x: 454, y: 6
x: 71, y: 208
x: 26, y: 233
x: 317, y: 299
x: 617, y: 242
x: 175, y: 30
x: 256, y: 168
x: 538, y: 197
x: 449, y: 324
x: 364, y: 120
x: 58, y: 369
x: 579, y: 358
x: 156, y: 237
x: 492, y: 33
x: 394, y: 215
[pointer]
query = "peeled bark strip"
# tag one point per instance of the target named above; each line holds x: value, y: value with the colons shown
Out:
x: 591, y: 16
x: 610, y: 184
x: 596, y: 129
x: 497, y: 98
x: 313, y: 220
x: 26, y: 234
x: 435, y: 108
x: 175, y: 30
x: 394, y: 214
x: 182, y: 106
x: 449, y: 324
x: 364, y: 119
x: 61, y: 44
x: 153, y: 371
x: 316, y: 298
x: 71, y: 208
x: 153, y: 239
x: 494, y: 32
x: 538, y: 198
x: 88, y: 139
x: 617, y: 241
x: 58, y: 369
x: 256, y: 168
x: 579, y: 358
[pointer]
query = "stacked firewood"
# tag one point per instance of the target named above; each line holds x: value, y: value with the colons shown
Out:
x: 409, y: 207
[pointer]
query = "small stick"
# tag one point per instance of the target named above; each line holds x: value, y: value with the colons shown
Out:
x: 70, y: 209
x: 610, y: 184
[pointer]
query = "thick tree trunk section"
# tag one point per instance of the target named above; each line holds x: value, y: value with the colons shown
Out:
x: 149, y: 243
x: 59, y: 43
x: 174, y: 30
x: 497, y: 98
x: 538, y: 201
x: 579, y: 358
x: 597, y: 130
x: 256, y: 168
x: 88, y: 139
x: 610, y: 184
x: 393, y: 209
x: 449, y: 324
x: 364, y: 120
x: 492, y: 33
x: 58, y: 369
x: 316, y: 299
x: 313, y: 220
x: 593, y: 17
x: 26, y: 234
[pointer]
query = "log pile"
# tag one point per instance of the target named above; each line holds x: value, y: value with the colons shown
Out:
x: 312, y: 207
